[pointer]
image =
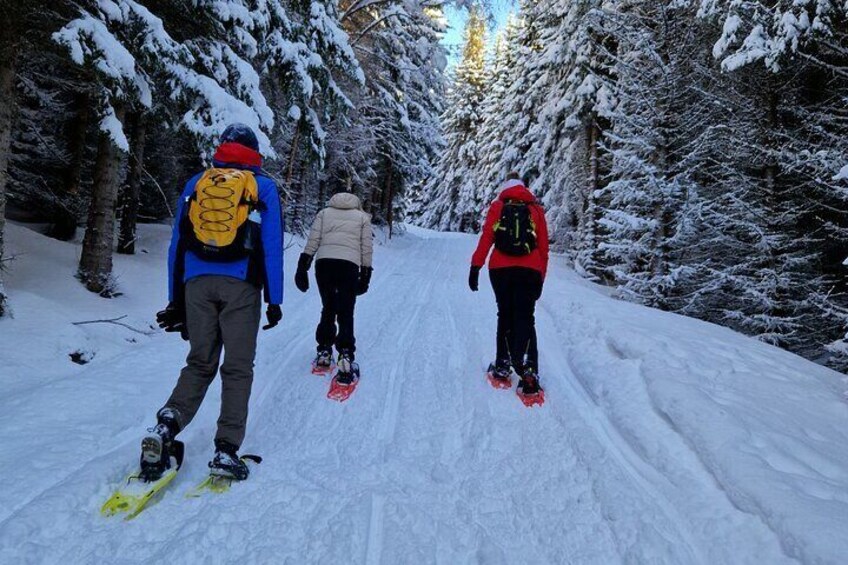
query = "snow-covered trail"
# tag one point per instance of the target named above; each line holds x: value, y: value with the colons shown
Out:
x: 427, y: 463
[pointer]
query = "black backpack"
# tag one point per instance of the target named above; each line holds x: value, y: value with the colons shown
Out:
x: 515, y: 231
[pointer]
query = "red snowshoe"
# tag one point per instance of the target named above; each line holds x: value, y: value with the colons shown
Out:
x: 344, y: 383
x: 529, y: 391
x: 341, y: 391
x: 499, y: 376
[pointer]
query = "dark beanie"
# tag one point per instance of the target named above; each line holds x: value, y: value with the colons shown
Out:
x: 241, y: 134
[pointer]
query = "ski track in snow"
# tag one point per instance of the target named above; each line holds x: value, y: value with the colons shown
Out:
x: 426, y: 463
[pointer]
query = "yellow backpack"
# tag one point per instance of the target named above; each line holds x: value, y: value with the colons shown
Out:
x: 217, y: 224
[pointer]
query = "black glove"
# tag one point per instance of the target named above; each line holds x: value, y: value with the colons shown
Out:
x: 173, y: 319
x: 274, y: 315
x: 474, y: 278
x: 301, y: 277
x: 364, y: 280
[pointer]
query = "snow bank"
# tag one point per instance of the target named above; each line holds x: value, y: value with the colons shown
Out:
x: 769, y: 428
x: 46, y: 301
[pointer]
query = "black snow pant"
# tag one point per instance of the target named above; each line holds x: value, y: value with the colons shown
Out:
x: 338, y: 282
x: 516, y: 291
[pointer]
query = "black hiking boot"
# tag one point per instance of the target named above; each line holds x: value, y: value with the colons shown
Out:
x: 227, y: 463
x: 529, y: 382
x: 158, y: 445
x: 348, y: 368
x: 500, y: 370
x: 324, y: 359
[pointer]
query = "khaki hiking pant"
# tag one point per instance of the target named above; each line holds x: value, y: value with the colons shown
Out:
x: 221, y: 312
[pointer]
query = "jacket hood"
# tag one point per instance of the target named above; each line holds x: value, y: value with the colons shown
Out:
x: 345, y: 201
x: 515, y: 190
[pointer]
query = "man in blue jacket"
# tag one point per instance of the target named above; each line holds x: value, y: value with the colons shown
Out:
x: 217, y: 305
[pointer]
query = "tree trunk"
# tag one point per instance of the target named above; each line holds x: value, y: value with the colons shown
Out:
x: 590, y: 211
x: 129, y: 208
x: 64, y: 221
x: 76, y: 142
x: 8, y: 54
x: 293, y: 156
x: 388, y: 196
x: 587, y: 213
x: 390, y: 215
x: 95, y: 267
x: 774, y: 227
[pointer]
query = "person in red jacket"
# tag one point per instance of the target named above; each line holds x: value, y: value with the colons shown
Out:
x: 517, y: 276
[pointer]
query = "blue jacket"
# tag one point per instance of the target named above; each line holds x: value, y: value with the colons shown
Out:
x: 272, y: 243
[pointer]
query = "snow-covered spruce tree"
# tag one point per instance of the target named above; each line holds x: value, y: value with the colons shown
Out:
x: 311, y: 73
x: 305, y: 53
x: 121, y: 83
x: 9, y: 38
x: 573, y: 165
x: 49, y: 147
x: 14, y: 44
x: 788, y: 65
x: 494, y: 139
x: 456, y: 203
x: 402, y: 101
x: 651, y: 197
x: 519, y: 115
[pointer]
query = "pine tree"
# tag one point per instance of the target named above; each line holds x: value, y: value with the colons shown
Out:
x: 692, y: 154
x: 404, y: 102
x: 651, y: 195
x: 493, y: 137
x: 457, y: 203
x: 13, y: 45
x: 8, y: 59
x: 578, y: 117
x: 787, y: 63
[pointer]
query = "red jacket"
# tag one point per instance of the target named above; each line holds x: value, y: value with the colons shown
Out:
x: 538, y: 259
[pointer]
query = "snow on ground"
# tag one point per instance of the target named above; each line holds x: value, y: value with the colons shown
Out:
x: 664, y: 439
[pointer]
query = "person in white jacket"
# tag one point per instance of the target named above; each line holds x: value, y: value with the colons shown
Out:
x: 341, y: 244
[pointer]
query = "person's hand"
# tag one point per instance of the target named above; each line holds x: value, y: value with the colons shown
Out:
x: 274, y: 315
x: 301, y: 277
x: 301, y: 281
x: 474, y: 278
x: 540, y: 286
x: 173, y: 319
x: 364, y: 280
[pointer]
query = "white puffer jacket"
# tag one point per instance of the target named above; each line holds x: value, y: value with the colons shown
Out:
x: 342, y: 231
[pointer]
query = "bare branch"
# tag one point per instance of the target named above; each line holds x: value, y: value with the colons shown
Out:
x: 117, y: 322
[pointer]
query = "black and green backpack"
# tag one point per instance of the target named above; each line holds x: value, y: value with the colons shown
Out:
x: 515, y: 231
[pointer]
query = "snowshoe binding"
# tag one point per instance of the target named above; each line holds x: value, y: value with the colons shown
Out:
x: 323, y: 363
x: 346, y: 379
x: 499, y: 375
x: 529, y: 390
x: 227, y: 463
x: 158, y: 445
x: 161, y: 459
x: 224, y: 469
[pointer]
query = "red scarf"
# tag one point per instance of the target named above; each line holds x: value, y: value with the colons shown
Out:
x: 237, y: 154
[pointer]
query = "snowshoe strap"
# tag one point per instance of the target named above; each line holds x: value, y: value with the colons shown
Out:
x: 252, y: 458
x: 177, y: 450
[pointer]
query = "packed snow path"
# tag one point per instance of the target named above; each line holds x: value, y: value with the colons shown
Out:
x: 664, y: 440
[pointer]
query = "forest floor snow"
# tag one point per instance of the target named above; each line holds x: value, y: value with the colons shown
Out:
x: 663, y: 439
